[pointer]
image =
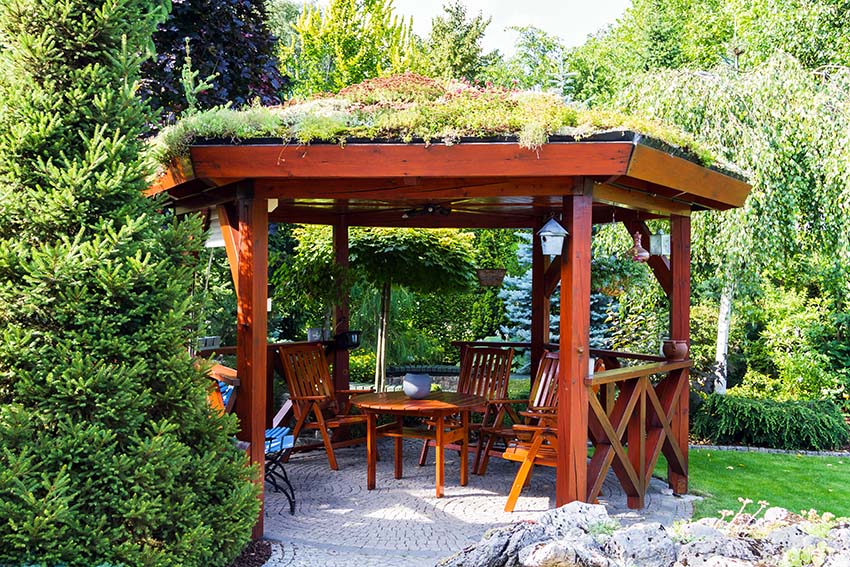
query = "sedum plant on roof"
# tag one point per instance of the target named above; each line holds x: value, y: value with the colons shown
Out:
x: 410, y: 108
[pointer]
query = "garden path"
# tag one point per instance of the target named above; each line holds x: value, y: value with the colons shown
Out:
x: 338, y: 522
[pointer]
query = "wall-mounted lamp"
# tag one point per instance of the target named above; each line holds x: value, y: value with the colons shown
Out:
x: 659, y: 244
x: 552, y: 237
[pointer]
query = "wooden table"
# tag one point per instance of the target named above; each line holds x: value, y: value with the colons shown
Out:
x: 436, y: 406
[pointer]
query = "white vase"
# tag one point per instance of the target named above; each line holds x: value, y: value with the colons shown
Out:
x: 416, y: 386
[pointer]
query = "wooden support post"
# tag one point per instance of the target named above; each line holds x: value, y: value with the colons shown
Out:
x: 571, y: 483
x: 539, y: 301
x: 251, y: 331
x: 341, y: 314
x: 680, y: 328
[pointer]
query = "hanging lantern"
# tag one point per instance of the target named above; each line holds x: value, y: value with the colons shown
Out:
x: 659, y: 244
x: 552, y: 237
x: 637, y: 252
x: 215, y: 237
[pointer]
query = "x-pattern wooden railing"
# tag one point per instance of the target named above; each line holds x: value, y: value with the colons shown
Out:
x: 630, y: 427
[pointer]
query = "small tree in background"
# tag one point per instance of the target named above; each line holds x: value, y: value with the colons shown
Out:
x: 227, y: 40
x: 109, y: 451
x: 453, y: 49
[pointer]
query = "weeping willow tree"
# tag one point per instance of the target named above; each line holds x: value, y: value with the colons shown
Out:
x: 786, y: 126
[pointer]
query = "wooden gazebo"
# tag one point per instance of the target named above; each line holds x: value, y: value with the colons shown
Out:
x: 616, y: 177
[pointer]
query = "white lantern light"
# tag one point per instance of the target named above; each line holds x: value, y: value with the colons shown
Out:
x: 552, y: 237
x: 659, y: 244
x: 215, y: 238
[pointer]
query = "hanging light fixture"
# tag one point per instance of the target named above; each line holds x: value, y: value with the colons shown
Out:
x: 637, y: 252
x: 552, y: 237
x: 215, y: 238
x: 659, y: 244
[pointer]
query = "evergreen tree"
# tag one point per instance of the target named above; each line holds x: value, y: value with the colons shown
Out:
x: 109, y: 452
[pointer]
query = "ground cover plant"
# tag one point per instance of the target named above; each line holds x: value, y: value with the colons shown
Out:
x: 410, y: 107
x: 789, y: 480
x: 109, y: 451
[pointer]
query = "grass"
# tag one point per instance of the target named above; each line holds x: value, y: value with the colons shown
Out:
x: 792, y: 481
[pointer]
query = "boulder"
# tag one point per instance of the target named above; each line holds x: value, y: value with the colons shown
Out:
x: 839, y: 539
x: 647, y: 545
x: 498, y: 547
x: 573, y: 515
x: 789, y: 537
x: 564, y: 553
x: 698, y: 553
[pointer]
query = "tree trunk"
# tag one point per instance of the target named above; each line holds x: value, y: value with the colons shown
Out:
x: 381, y: 355
x: 724, y: 322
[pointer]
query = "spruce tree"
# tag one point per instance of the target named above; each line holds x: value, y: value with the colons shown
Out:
x: 109, y: 453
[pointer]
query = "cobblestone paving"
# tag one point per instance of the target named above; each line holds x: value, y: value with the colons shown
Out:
x: 337, y: 521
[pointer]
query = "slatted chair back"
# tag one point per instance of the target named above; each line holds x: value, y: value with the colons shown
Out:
x: 222, y: 394
x: 485, y: 372
x: 545, y: 387
x: 306, y: 370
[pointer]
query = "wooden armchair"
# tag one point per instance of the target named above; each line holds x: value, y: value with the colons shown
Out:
x: 485, y: 372
x: 542, y: 401
x: 314, y: 399
x: 534, y: 445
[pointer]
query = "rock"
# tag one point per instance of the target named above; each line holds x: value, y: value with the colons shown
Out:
x: 780, y: 515
x: 728, y: 562
x: 840, y: 559
x: 563, y: 553
x: 491, y: 551
x: 698, y: 553
x: 699, y: 530
x: 791, y: 537
x: 573, y: 515
x: 839, y: 539
x: 647, y: 545
x: 519, y: 540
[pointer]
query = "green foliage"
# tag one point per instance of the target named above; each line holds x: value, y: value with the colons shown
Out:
x: 210, y: 29
x: 109, y: 452
x: 361, y: 366
x: 347, y: 42
x: 409, y: 107
x: 453, y: 49
x: 539, y: 63
x: 730, y: 419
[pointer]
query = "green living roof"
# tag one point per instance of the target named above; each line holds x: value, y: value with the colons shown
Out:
x: 410, y: 108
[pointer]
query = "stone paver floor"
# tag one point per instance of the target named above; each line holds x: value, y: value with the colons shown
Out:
x: 338, y: 522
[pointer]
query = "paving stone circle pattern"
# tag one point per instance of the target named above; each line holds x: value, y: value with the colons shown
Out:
x: 338, y: 522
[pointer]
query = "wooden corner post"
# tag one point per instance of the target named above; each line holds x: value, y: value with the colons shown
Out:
x: 341, y: 314
x: 571, y: 483
x: 539, y: 300
x: 680, y: 328
x: 251, y: 331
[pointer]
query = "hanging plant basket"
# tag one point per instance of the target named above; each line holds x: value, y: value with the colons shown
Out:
x: 491, y: 277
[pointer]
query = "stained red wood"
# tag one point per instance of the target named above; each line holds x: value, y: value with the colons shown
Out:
x: 653, y: 165
x: 638, y: 200
x: 358, y: 161
x: 341, y: 313
x: 571, y: 482
x: 252, y: 331
x: 680, y: 326
x: 659, y: 265
x: 385, y: 216
x: 539, y: 300
x: 227, y: 218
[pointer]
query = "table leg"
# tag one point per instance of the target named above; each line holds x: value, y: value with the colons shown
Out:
x: 371, y: 449
x: 464, y: 448
x: 398, y: 447
x: 441, y: 453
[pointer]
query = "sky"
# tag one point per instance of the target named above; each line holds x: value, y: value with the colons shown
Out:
x: 571, y: 20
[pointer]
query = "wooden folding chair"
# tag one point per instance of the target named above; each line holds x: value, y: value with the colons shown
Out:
x: 543, y: 400
x: 485, y: 372
x: 279, y: 439
x: 535, y: 445
x: 314, y: 399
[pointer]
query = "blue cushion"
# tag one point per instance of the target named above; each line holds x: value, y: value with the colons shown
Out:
x: 279, y: 439
x: 226, y: 391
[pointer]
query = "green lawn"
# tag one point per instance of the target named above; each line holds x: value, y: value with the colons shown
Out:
x: 791, y: 481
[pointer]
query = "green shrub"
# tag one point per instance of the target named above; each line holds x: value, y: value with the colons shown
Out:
x: 361, y: 367
x: 805, y: 425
